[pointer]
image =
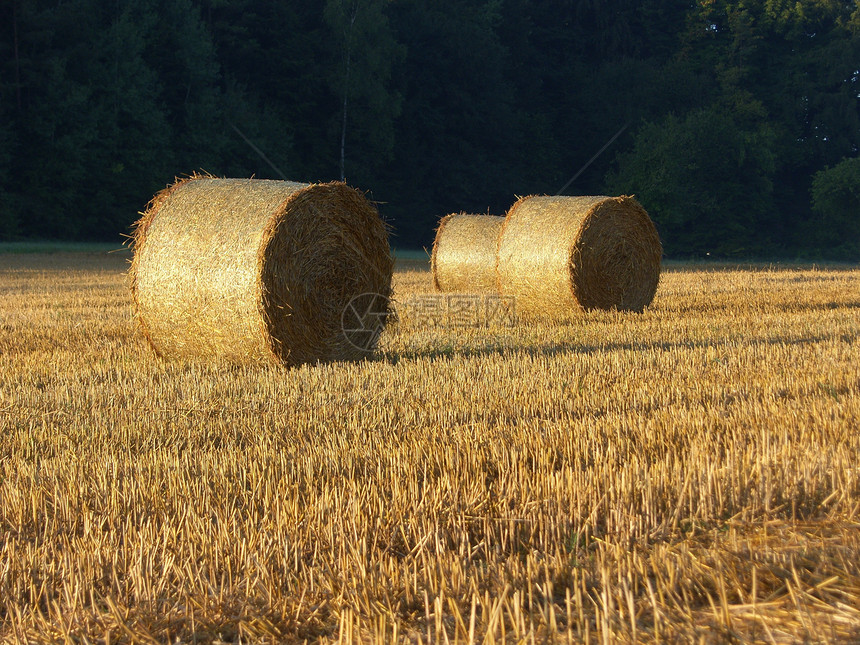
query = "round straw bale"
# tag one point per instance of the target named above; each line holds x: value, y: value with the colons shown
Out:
x: 253, y: 270
x: 464, y: 253
x: 559, y: 254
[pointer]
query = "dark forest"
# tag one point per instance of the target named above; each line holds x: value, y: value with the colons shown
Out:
x: 736, y: 124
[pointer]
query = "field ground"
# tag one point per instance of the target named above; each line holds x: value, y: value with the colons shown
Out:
x: 37, y: 247
x: 690, y: 474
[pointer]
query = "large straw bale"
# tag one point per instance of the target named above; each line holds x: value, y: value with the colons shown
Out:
x: 560, y: 254
x: 464, y: 253
x: 258, y: 271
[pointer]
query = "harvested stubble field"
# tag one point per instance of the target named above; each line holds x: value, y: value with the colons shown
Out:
x: 688, y: 474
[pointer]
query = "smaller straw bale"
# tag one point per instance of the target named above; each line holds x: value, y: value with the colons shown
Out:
x: 560, y: 254
x: 464, y: 253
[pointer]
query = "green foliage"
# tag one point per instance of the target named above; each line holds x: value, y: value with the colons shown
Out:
x: 90, y: 124
x: 8, y: 214
x: 836, y: 203
x: 705, y: 181
x: 190, y: 88
x: 436, y: 107
x: 367, y: 53
x: 133, y: 131
x: 58, y: 124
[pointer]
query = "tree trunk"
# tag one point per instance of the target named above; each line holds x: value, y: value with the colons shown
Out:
x: 348, y: 46
x: 343, y: 122
x: 17, y: 58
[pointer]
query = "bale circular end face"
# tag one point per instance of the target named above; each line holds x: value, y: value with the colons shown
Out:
x: 464, y: 253
x: 261, y: 271
x: 557, y: 254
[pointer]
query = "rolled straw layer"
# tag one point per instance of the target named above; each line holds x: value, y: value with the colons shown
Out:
x: 464, y: 253
x: 560, y: 254
x: 257, y: 270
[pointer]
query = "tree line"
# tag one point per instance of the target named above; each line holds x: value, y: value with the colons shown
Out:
x: 735, y: 123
